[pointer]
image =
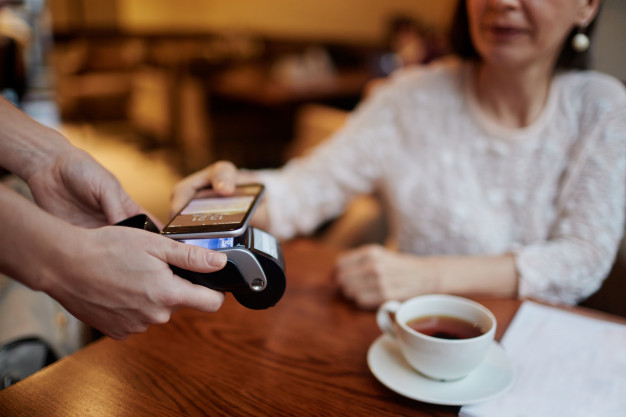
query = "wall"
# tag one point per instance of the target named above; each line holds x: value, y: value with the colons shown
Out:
x: 350, y: 20
x: 345, y: 20
x: 609, y: 43
x: 68, y: 15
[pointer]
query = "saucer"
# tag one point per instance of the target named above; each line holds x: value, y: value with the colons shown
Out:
x: 492, y: 378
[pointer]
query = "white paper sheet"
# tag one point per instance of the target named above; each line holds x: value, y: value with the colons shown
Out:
x: 566, y: 365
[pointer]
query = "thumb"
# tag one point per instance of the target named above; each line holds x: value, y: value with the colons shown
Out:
x: 195, y: 258
x: 117, y: 206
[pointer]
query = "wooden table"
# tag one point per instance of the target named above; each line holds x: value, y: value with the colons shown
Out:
x: 305, y: 356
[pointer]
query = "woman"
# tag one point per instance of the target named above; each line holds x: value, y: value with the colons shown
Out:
x: 501, y: 173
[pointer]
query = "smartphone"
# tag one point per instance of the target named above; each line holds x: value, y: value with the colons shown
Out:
x: 210, y: 215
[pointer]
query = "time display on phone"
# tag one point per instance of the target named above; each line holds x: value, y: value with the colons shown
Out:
x: 209, y: 208
x: 210, y: 215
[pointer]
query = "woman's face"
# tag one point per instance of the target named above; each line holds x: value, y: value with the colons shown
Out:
x: 524, y: 32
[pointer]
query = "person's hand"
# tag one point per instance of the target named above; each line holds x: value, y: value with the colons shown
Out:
x: 65, y: 181
x: 118, y: 279
x: 76, y: 188
x: 221, y: 175
x: 372, y: 274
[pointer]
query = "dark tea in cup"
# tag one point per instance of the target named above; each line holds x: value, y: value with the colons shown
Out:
x: 446, y: 327
x: 445, y: 317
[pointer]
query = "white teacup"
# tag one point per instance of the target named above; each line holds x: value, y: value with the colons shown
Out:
x: 436, y: 357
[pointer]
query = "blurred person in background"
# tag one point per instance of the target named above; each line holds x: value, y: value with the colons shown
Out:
x: 409, y: 43
x: 502, y: 170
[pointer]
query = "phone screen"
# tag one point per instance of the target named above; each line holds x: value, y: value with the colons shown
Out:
x: 211, y: 213
x: 217, y: 243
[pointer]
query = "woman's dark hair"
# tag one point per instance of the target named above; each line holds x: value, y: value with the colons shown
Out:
x: 461, y: 42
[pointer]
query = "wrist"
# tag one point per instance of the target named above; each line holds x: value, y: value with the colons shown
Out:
x: 25, y: 145
x: 42, y: 154
x: 35, y: 243
x: 435, y: 268
x: 476, y: 275
x: 409, y: 275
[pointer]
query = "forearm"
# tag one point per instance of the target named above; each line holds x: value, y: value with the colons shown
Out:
x: 476, y: 275
x: 26, y: 145
x: 30, y: 242
x: 372, y: 274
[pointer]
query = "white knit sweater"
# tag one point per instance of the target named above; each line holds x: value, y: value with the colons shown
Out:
x: 455, y: 182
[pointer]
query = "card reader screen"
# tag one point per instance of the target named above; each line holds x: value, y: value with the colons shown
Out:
x: 219, y: 243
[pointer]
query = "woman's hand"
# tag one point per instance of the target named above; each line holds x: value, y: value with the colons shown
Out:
x: 372, y: 274
x: 222, y: 176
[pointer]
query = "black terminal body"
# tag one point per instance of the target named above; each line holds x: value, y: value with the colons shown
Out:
x: 255, y: 278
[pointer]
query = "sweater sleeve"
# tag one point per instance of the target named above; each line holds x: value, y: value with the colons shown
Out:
x: 573, y: 262
x: 315, y: 188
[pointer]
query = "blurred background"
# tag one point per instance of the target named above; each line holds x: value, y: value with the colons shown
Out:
x: 156, y: 89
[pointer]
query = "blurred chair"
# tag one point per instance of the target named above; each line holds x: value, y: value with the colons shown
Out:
x: 611, y: 297
x: 94, y: 78
x: 12, y: 74
x: 314, y: 123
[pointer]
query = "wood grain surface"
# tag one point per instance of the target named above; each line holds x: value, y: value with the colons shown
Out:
x: 304, y: 357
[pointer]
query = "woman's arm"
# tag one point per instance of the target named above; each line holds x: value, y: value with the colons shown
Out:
x: 315, y: 188
x: 373, y: 274
x: 582, y: 243
x: 566, y: 267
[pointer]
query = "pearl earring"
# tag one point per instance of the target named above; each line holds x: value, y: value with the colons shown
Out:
x: 580, y: 41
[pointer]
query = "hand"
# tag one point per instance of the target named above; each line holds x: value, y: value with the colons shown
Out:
x: 65, y: 181
x: 221, y: 175
x: 76, y: 188
x: 372, y: 274
x: 118, y: 279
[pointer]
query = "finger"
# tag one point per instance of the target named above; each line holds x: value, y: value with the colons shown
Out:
x: 198, y: 297
x: 117, y: 205
x: 369, y: 300
x: 350, y: 290
x: 224, y: 177
x: 355, y: 281
x: 362, y: 287
x: 357, y: 257
x: 349, y: 272
x: 187, y: 187
x: 221, y: 175
x: 362, y: 293
x: 195, y: 258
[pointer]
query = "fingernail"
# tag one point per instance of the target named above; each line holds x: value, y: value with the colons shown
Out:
x: 220, y: 185
x: 216, y: 259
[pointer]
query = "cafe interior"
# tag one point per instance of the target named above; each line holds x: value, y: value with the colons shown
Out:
x: 157, y: 89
